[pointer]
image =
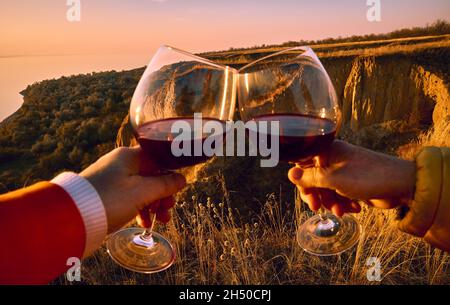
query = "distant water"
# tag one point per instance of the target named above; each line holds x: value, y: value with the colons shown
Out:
x: 16, y: 73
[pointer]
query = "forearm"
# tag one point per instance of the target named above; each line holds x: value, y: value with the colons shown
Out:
x: 39, y: 230
x: 389, y: 177
x: 42, y: 226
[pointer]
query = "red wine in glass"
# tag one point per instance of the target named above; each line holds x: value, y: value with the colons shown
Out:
x: 156, y: 139
x: 301, y: 136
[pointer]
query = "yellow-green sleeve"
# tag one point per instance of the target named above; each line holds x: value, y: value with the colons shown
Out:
x: 429, y: 211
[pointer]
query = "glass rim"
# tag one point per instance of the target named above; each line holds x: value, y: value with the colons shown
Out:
x: 304, y: 48
x: 198, y: 58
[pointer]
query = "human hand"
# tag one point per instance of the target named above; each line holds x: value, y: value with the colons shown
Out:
x: 124, y: 192
x: 347, y: 173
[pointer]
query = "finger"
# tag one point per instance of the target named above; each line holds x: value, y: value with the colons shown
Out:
x: 345, y: 205
x: 154, y: 206
x: 143, y: 218
x: 143, y: 221
x: 160, y: 208
x: 303, y: 196
x: 348, y: 208
x: 295, y: 174
x: 311, y: 197
x: 382, y: 203
x: 313, y: 177
x: 334, y: 203
x: 167, y: 203
x: 163, y: 216
x: 317, y: 161
x: 328, y: 200
x: 140, y: 221
x: 339, y: 205
x: 128, y: 156
x: 163, y: 213
x: 147, y: 166
x: 352, y: 207
x: 321, y: 160
x: 305, y: 163
x: 155, y: 188
x: 338, y: 209
x: 356, y: 207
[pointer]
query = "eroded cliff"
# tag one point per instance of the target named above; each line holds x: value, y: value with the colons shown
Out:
x: 376, y: 89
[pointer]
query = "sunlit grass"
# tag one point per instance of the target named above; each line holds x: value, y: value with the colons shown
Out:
x: 215, y: 245
x: 332, y: 50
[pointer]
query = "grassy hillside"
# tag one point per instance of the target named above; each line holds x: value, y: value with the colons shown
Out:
x: 63, y: 124
x: 339, y: 49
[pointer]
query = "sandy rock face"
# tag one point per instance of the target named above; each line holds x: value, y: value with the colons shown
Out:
x: 379, y: 89
x: 433, y: 87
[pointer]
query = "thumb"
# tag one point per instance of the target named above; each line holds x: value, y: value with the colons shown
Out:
x: 155, y: 188
x: 312, y: 177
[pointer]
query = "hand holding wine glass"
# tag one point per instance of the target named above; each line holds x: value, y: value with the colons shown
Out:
x: 123, y: 191
x: 181, y: 101
x: 346, y: 173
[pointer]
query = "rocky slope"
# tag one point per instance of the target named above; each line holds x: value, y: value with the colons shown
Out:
x: 375, y: 89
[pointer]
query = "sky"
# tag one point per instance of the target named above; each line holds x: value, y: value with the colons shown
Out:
x: 38, y: 42
x: 30, y: 27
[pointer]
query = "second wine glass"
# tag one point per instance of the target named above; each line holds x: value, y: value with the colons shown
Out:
x: 291, y: 87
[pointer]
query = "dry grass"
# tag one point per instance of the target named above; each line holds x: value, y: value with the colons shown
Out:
x: 339, y: 45
x: 352, y: 49
x: 438, y: 135
x: 216, y: 246
x: 387, y: 49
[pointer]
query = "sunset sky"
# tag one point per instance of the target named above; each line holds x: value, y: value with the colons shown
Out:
x: 119, y: 34
x: 29, y: 27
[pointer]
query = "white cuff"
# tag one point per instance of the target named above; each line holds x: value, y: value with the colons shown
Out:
x: 90, y: 206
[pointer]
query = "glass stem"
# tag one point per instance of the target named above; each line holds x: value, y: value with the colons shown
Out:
x: 321, y: 211
x: 321, y: 214
x: 147, y: 234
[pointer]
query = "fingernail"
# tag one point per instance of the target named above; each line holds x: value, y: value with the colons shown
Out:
x: 297, y: 173
x: 356, y: 207
x: 336, y: 211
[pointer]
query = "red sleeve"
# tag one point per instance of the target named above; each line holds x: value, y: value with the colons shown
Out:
x: 40, y: 228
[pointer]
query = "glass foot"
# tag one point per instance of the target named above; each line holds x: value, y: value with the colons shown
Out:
x: 129, y: 249
x: 328, y: 234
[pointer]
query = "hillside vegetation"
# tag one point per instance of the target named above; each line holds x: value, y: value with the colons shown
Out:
x: 63, y: 124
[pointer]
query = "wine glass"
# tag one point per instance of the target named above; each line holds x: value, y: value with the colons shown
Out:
x: 176, y: 89
x: 291, y: 87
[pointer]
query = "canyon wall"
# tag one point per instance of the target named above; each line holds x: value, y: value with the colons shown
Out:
x: 375, y: 89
